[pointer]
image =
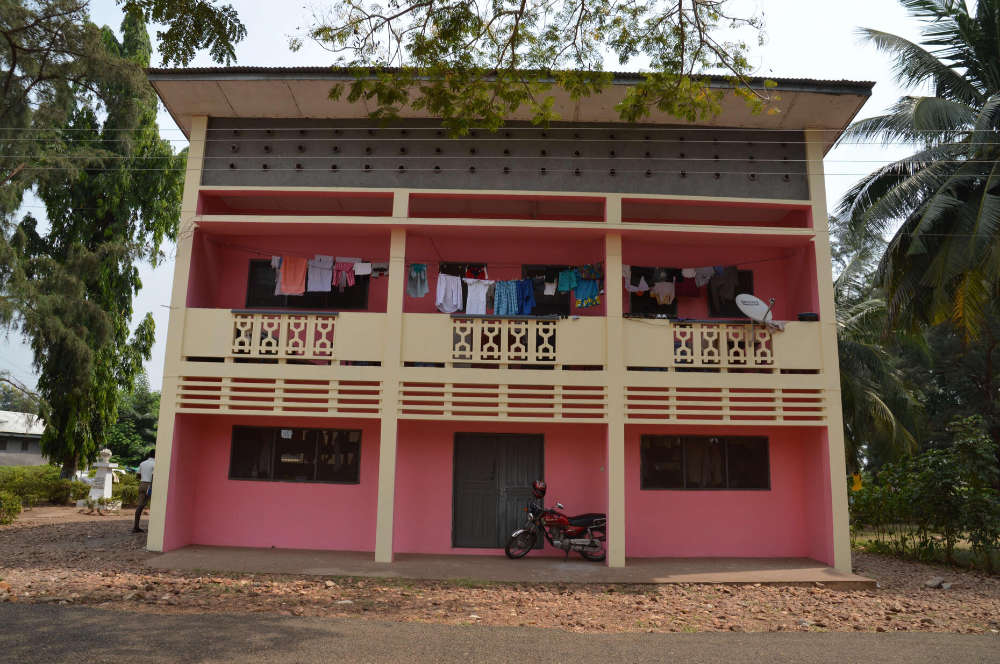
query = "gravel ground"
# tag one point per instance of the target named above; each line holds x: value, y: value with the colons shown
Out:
x: 54, y: 554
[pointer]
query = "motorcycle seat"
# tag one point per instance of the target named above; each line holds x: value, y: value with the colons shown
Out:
x: 586, y: 519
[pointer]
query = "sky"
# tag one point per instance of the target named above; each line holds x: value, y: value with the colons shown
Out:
x: 804, y: 39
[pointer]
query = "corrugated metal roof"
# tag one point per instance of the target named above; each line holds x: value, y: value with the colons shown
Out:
x: 22, y: 423
x: 621, y: 78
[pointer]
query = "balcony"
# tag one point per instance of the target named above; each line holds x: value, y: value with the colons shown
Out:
x: 486, y: 367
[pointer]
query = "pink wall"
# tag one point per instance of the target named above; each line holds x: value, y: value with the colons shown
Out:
x: 574, y: 469
x: 790, y: 519
x: 787, y: 274
x: 206, y: 507
x: 503, y: 254
x: 819, y: 499
x: 220, y: 263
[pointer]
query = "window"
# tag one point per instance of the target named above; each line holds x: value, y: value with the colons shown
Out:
x: 3, y: 444
x: 547, y: 305
x: 24, y: 445
x: 642, y: 303
x: 296, y: 455
x: 728, y: 308
x: 704, y: 462
x: 262, y: 281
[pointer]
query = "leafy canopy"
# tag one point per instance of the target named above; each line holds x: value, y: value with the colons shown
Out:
x: 475, y: 62
x: 940, y: 206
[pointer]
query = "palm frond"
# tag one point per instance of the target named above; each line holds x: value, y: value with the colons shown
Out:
x: 914, y: 65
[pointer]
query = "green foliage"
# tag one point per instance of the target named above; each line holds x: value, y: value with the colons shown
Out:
x: 34, y: 484
x: 126, y: 490
x: 941, y: 263
x: 17, y: 400
x: 192, y: 25
x: 133, y: 435
x: 108, y: 218
x: 77, y: 125
x: 477, y: 63
x: 10, y: 507
x: 924, y: 505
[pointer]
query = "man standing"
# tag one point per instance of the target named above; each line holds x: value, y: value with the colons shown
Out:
x: 145, y: 488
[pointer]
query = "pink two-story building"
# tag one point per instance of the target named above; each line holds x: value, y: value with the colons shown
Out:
x: 381, y: 334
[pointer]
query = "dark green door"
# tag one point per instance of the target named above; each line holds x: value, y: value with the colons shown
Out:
x: 492, y: 486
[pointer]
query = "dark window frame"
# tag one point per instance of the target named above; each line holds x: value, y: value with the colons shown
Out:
x: 273, y: 455
x: 745, y: 281
x: 684, y: 440
x: 642, y: 303
x: 560, y: 304
x: 320, y: 301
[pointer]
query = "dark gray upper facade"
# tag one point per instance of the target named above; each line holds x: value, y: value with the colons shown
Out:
x: 418, y: 154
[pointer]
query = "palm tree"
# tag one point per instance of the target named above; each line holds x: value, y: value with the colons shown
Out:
x: 939, y: 206
x: 881, y: 412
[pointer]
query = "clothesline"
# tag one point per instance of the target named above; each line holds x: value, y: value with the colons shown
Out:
x: 273, y: 252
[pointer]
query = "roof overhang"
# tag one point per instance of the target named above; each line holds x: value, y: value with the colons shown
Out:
x: 303, y: 92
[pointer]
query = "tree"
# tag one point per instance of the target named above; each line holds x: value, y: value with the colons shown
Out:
x: 18, y: 400
x: 474, y: 63
x: 77, y: 123
x: 134, y: 433
x: 119, y: 211
x: 942, y: 261
x: 881, y: 410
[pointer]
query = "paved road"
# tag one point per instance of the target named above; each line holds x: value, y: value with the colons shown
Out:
x: 47, y: 633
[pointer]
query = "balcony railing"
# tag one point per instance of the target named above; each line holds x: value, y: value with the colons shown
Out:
x: 299, y: 335
x: 487, y: 342
x: 503, y: 340
x: 722, y: 345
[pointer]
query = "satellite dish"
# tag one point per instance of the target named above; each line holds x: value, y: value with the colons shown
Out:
x: 754, y: 308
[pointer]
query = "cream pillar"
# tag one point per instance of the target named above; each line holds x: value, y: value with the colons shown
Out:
x: 616, y: 394
x: 175, y: 333
x: 390, y: 396
x: 831, y: 362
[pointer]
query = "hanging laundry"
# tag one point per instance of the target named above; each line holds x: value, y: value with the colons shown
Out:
x: 476, y: 272
x: 627, y: 273
x: 549, y: 288
x: 362, y: 268
x: 686, y: 287
x: 320, y: 274
x: 688, y: 272
x: 449, y: 294
x: 380, y: 269
x: 587, y: 293
x: 722, y: 288
x: 592, y: 271
x: 568, y: 280
x: 343, y: 275
x: 276, y: 264
x: 348, y: 259
x: 640, y: 288
x: 292, y: 276
x: 505, y: 298
x: 416, y: 281
x: 664, y: 292
x: 475, y: 302
x: 702, y: 275
x: 525, y: 297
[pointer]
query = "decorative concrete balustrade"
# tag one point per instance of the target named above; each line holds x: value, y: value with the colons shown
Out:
x: 283, y: 335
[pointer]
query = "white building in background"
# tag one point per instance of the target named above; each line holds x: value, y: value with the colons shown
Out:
x: 20, y: 438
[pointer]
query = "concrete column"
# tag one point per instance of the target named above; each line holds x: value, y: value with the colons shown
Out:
x: 391, y: 366
x: 616, y: 399
x: 174, y: 354
x: 831, y: 363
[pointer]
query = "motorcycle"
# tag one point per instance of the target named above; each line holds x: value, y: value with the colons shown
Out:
x: 584, y: 533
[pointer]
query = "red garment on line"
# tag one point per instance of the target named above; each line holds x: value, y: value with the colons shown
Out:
x: 293, y: 275
x: 343, y: 275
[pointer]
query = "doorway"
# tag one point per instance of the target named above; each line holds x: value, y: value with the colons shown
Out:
x: 492, y: 486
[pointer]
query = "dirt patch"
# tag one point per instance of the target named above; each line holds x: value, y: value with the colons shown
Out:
x: 59, y: 555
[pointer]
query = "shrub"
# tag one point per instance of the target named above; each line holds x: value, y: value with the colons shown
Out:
x: 127, y: 493
x: 65, y: 491
x: 10, y: 507
x: 30, y: 483
x: 923, y: 506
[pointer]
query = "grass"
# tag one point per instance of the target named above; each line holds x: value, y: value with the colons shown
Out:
x: 962, y: 554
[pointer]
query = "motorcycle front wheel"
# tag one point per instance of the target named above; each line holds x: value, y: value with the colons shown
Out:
x: 520, y: 543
